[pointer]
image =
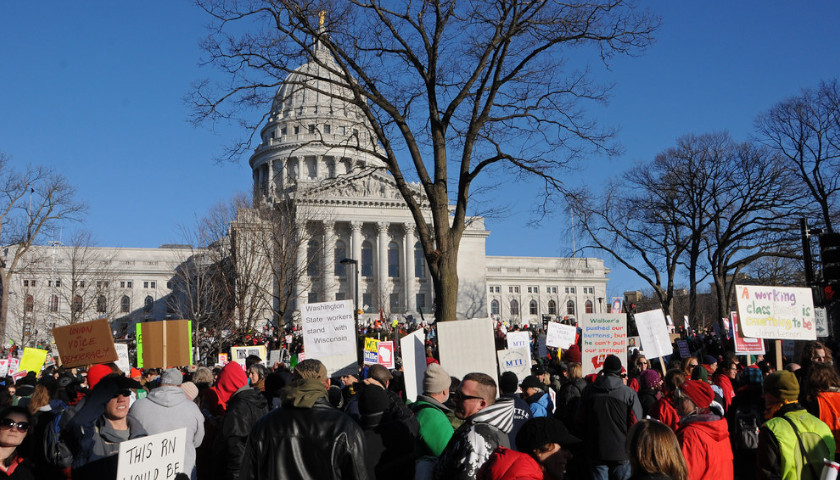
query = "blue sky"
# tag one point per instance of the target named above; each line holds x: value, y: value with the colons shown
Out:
x: 96, y: 89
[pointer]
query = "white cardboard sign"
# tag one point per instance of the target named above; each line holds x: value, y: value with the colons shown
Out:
x: 517, y: 360
x: 158, y: 456
x: 602, y: 335
x: 467, y: 346
x: 560, y: 336
x: 413, y: 350
x: 654, y: 333
x: 122, y: 357
x: 329, y: 334
x: 776, y: 312
x: 518, y: 340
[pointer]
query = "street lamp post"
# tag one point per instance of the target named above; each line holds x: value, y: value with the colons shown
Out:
x: 355, y: 263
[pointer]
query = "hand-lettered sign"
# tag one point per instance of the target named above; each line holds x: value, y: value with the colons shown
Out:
x: 776, y: 312
x: 158, y: 456
x: 85, y: 343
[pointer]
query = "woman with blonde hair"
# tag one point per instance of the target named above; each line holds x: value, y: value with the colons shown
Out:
x: 654, y: 452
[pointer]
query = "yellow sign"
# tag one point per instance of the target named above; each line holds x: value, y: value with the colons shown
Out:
x: 33, y: 359
x: 371, y: 344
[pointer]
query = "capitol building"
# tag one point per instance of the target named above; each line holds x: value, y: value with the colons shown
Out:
x: 317, y: 162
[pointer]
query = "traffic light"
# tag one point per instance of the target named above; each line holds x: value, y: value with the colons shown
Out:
x: 830, y: 260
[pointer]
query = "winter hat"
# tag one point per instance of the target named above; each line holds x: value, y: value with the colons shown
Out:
x: 372, y: 400
x: 782, y: 385
x: 612, y: 365
x: 754, y: 375
x: 135, y: 372
x: 190, y: 390
x: 709, y: 360
x: 700, y: 393
x: 97, y: 373
x: 435, y: 380
x: 572, y: 355
x: 508, y: 382
x: 650, y: 378
x: 171, y: 376
x: 531, y: 382
x: 700, y: 373
x: 537, y: 432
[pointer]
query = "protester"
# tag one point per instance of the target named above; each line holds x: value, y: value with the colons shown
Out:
x: 781, y: 435
x: 14, y: 425
x: 703, y: 435
x: 306, y: 438
x: 823, y: 398
x: 244, y: 408
x: 608, y: 409
x: 435, y: 429
x: 390, y: 451
x: 744, y: 417
x: 486, y: 425
x: 533, y: 392
x: 649, y: 385
x: 508, y: 384
x: 655, y: 452
x: 167, y: 408
x: 543, y: 453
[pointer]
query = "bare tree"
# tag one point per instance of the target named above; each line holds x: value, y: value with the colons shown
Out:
x: 466, y: 90
x: 805, y: 130
x: 33, y: 202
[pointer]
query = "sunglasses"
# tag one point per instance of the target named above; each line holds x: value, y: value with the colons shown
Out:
x: 123, y: 393
x: 458, y: 396
x: 8, y: 423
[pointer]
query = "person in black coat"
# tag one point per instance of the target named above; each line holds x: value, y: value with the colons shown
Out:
x: 245, y: 407
x: 390, y: 445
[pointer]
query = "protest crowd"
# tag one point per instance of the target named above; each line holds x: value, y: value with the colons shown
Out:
x: 710, y: 415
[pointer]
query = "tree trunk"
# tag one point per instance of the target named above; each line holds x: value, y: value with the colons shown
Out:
x: 4, y: 303
x: 445, y: 281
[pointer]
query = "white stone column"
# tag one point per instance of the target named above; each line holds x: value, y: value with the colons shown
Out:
x: 382, y: 281
x: 328, y: 274
x: 271, y: 180
x: 356, y: 249
x: 408, y: 272
x: 300, y: 265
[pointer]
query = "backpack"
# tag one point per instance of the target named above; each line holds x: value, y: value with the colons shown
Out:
x: 811, y: 454
x: 745, y: 434
x: 56, y: 452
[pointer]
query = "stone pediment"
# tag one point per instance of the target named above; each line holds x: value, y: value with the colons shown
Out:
x: 373, y: 187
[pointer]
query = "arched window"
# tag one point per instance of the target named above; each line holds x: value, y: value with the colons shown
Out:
x: 340, y: 254
x: 367, y: 259
x: 419, y: 261
x: 570, y: 307
x: 30, y: 303
x: 588, y: 306
x: 514, y: 307
x: 552, y: 307
x: 125, y: 304
x: 312, y: 259
x: 101, y: 304
x: 532, y: 307
x: 393, y: 260
x: 148, y: 303
x: 54, y: 304
x: 494, y: 307
x: 77, y: 303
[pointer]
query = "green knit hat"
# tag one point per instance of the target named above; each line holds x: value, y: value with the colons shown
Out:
x: 782, y: 385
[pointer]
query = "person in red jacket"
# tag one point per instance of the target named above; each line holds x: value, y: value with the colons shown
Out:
x: 704, y: 436
x: 664, y: 409
x: 543, y: 442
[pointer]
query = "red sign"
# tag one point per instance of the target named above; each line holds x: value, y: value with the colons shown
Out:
x: 386, y: 354
x: 744, y: 345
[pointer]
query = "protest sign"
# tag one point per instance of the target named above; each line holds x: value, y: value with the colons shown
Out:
x: 154, y: 457
x: 517, y: 360
x: 85, y: 343
x: 223, y: 359
x: 518, y: 340
x: 33, y: 359
x: 240, y: 353
x: 467, y: 346
x: 4, y: 367
x: 821, y: 319
x: 682, y: 345
x: 413, y: 348
x: 653, y: 333
x: 123, y: 362
x: 743, y: 345
x: 776, y: 312
x: 18, y: 375
x: 329, y: 334
x: 274, y: 356
x: 371, y: 353
x: 164, y: 344
x: 386, y: 354
x: 560, y: 336
x: 14, y: 363
x: 603, y: 334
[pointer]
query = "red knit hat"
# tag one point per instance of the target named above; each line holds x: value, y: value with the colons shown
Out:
x: 96, y: 373
x: 699, y: 392
x: 135, y: 372
x: 572, y: 354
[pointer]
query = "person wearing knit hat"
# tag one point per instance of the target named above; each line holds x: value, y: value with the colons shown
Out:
x: 508, y: 385
x: 703, y: 436
x: 778, y: 439
x: 608, y: 407
x: 649, y: 387
x: 168, y: 407
x: 431, y: 413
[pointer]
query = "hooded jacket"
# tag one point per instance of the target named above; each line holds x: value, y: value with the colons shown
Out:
x: 168, y: 408
x: 705, y: 444
x: 507, y: 464
x: 540, y: 405
x: 231, y: 379
x: 608, y: 409
x: 306, y: 438
x: 475, y: 440
x: 435, y: 429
